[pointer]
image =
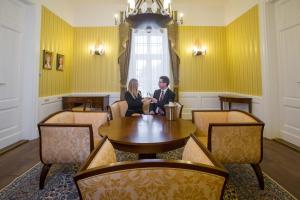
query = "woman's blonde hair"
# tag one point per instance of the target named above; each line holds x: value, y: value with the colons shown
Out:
x: 133, y: 87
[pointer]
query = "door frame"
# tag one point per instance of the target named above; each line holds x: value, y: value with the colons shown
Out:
x: 30, y: 76
x: 270, y: 68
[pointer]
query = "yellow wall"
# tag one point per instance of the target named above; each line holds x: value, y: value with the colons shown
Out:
x: 57, y: 37
x: 95, y: 73
x: 203, y: 73
x: 243, y: 51
x: 232, y: 62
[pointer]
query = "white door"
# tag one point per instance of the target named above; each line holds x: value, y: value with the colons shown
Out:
x: 11, y: 30
x: 288, y: 34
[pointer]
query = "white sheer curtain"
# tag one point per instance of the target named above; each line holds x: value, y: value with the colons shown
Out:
x: 150, y: 58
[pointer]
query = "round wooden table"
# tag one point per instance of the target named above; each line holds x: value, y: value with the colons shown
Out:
x: 147, y: 134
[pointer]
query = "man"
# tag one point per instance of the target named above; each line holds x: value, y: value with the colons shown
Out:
x: 161, y: 97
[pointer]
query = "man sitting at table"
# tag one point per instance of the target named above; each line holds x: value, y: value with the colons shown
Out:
x: 161, y: 97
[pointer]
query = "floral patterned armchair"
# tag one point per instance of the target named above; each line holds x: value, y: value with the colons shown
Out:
x: 196, y: 176
x: 232, y: 137
x: 68, y: 137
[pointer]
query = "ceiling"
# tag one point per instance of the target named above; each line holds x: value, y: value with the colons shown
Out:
x: 101, y: 12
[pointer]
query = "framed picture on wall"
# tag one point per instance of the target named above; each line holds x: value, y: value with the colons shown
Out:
x: 60, y: 61
x: 47, y: 60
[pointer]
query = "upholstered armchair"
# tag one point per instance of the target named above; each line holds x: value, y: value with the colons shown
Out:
x: 232, y: 137
x: 119, y: 109
x: 68, y: 137
x: 196, y: 176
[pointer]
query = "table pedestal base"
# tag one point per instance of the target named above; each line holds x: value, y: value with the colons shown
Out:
x: 147, y: 156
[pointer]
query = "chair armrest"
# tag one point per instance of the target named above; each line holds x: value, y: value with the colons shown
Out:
x: 194, y: 151
x: 103, y: 154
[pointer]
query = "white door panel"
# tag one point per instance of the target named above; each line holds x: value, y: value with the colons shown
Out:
x: 291, y: 61
x: 10, y: 63
x: 11, y: 24
x: 288, y: 32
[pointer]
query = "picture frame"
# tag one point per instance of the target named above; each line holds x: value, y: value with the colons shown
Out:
x: 47, y: 60
x: 60, y: 62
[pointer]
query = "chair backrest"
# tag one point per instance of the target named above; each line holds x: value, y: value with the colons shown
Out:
x: 118, y: 109
x: 236, y: 142
x: 202, y: 119
x: 100, y: 177
x: 66, y: 117
x: 96, y: 119
x: 233, y: 136
x: 64, y: 142
x: 146, y: 107
x: 179, y: 109
x: 152, y: 179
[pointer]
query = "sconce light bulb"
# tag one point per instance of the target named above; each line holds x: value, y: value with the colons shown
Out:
x: 197, y: 51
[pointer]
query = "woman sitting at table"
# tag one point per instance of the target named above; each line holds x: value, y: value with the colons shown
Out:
x: 134, y: 99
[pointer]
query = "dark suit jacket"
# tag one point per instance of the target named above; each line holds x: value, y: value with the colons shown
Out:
x: 135, y: 105
x: 169, y: 97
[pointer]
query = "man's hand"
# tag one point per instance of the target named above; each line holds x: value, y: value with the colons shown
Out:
x: 154, y: 100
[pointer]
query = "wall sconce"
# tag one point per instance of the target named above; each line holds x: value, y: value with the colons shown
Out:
x: 199, y: 51
x: 100, y: 50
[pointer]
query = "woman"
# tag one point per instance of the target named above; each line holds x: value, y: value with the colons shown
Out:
x: 134, y: 99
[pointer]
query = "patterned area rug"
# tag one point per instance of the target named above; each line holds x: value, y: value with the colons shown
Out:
x: 59, y: 184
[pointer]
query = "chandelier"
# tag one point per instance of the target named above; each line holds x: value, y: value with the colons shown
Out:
x: 158, y: 12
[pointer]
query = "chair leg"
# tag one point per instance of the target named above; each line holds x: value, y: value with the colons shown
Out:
x: 259, y: 175
x: 43, y: 176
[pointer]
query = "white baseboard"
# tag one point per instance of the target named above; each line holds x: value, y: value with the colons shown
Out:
x: 289, y: 137
x: 10, y: 139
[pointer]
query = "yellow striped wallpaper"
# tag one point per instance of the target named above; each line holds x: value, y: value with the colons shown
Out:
x: 203, y: 73
x: 232, y: 62
x: 243, y: 52
x: 95, y: 73
x: 57, y: 37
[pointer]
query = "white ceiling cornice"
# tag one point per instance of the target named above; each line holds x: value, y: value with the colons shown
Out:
x: 100, y: 12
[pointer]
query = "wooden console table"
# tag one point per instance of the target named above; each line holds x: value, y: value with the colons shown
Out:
x: 94, y: 102
x: 235, y: 99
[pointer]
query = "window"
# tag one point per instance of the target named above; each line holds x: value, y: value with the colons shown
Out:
x: 149, y: 59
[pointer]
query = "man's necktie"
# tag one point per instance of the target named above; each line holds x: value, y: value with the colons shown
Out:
x: 162, y: 96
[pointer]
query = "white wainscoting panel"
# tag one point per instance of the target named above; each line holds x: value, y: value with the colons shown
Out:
x: 210, y: 101
x: 48, y: 106
x: 190, y: 100
x: 113, y: 96
x: 52, y: 104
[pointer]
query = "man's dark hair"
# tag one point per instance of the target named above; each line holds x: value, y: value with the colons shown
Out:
x: 165, y: 79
